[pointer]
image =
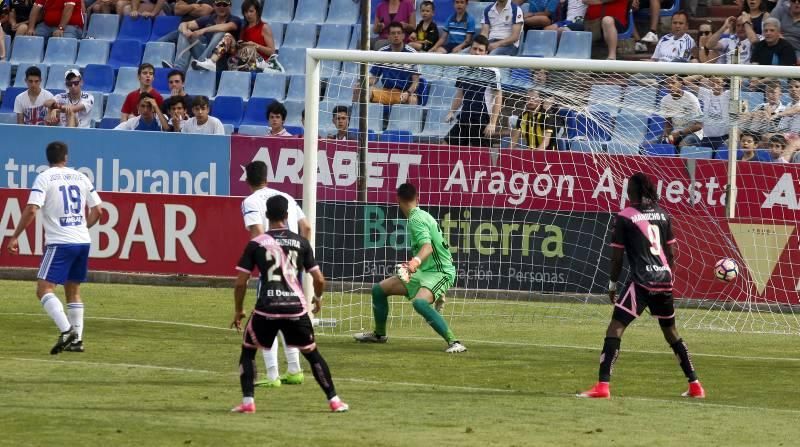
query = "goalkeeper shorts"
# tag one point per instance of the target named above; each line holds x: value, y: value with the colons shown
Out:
x: 437, y: 282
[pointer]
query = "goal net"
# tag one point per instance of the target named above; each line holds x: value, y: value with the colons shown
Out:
x: 526, y: 206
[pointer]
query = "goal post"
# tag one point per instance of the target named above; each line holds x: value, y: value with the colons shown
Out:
x: 528, y: 228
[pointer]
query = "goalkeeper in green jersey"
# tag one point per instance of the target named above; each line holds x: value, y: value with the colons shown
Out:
x: 423, y: 280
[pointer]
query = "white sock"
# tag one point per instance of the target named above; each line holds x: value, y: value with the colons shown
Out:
x: 271, y: 360
x: 52, y: 305
x: 334, y: 399
x: 292, y: 357
x: 248, y: 400
x: 75, y: 316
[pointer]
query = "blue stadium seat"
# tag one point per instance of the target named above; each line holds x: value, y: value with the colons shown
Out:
x: 270, y: 85
x: 108, y: 123
x: 253, y: 129
x: 228, y: 109
x: 575, y: 45
x: 655, y: 128
x: 61, y: 50
x: 604, y: 97
x: 235, y: 83
x: 92, y: 51
x: 355, y: 39
x: 658, y: 149
x: 396, y: 136
x: 763, y: 155
x: 19, y: 80
x: 441, y: 93
x: 5, y: 74
x: 335, y: 37
x: 435, y: 124
x: 27, y: 50
x: 164, y: 25
x: 256, y: 112
x: 475, y: 9
x: 696, y: 152
x: 618, y: 148
x: 103, y: 27
x: 127, y: 80
x: 114, y: 106
x: 294, y: 111
x: 160, y: 81
x: 125, y: 53
x: 540, y: 43
x: 586, y: 146
x: 155, y: 52
x: 300, y: 35
x: 639, y: 99
x: 55, y: 76
x: 296, y: 131
x: 293, y: 60
x: 9, y: 95
x: 340, y: 89
x: 277, y: 11
x: 236, y: 8
x: 350, y: 69
x: 7, y: 40
x: 595, y: 126
x: 138, y: 29
x: 97, y: 110
x: 277, y: 33
x: 200, y: 82
x: 630, y: 128
x: 98, y: 78
x: 375, y: 114
x: 229, y: 129
x: 297, y: 88
x: 346, y: 12
x: 329, y: 69
x: 8, y: 118
x: 310, y: 11
x: 405, y: 117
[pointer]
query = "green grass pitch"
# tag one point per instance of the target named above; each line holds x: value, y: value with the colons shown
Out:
x: 161, y: 369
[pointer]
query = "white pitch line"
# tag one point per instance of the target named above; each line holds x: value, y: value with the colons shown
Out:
x: 120, y: 365
x: 476, y: 341
x: 427, y: 385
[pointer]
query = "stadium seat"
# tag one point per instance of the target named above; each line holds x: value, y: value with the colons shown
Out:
x: 540, y: 43
x: 629, y: 128
x: 340, y: 89
x: 277, y: 11
x: 114, y: 106
x: 135, y: 29
x: 575, y: 45
x: 604, y: 97
x: 297, y: 88
x: 346, y: 12
x: 435, y: 124
x: 27, y: 50
x: 19, y: 80
x: 200, y: 82
x: 294, y: 111
x: 8, y: 118
x: 160, y: 81
x: 103, y: 27
x: 155, y: 52
x: 296, y: 131
x: 91, y: 51
x: 9, y: 95
x: 277, y: 33
x: 310, y: 11
x: 7, y: 40
x: 163, y: 25
x: 618, y: 148
x: 293, y: 60
x: 475, y: 9
x: 97, y: 111
x: 350, y: 69
x: 335, y: 37
x: 235, y: 83
x: 300, y: 35
x: 228, y: 109
x: 375, y: 115
x: 655, y: 128
x: 396, y: 136
x: 253, y: 129
x: 125, y: 53
x: 256, y: 111
x: 270, y: 85
x: 329, y: 69
x: 628, y: 33
x: 5, y: 75
x: 441, y: 93
x: 55, y: 76
x: 595, y: 126
x: 108, y: 122
x: 405, y: 117
x: 696, y: 152
x: 98, y: 78
x: 229, y: 129
x: 639, y: 99
x: 61, y: 50
x: 236, y: 8
x: 355, y: 39
x: 763, y: 155
x: 127, y: 80
x: 658, y: 149
x: 586, y: 146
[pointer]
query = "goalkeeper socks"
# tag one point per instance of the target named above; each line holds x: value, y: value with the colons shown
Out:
x: 75, y: 317
x: 609, y: 357
x: 247, y: 372
x: 52, y: 305
x: 380, y: 309
x: 434, y: 319
x: 682, y: 352
x: 271, y: 360
x: 292, y: 357
x: 321, y: 372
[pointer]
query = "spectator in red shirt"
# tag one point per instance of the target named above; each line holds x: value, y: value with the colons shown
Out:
x: 61, y: 18
x: 131, y: 105
x: 612, y: 16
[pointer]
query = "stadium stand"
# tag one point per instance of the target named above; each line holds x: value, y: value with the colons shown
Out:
x: 61, y: 50
x: 103, y: 27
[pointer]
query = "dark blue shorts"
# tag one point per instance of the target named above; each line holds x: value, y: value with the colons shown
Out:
x: 64, y: 262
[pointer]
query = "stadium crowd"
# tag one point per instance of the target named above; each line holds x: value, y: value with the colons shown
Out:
x: 210, y: 39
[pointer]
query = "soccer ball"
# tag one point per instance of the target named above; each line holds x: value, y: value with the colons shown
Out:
x: 726, y: 269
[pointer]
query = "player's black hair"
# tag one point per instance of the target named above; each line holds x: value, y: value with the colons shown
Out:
x: 748, y: 133
x: 427, y: 3
x: 645, y: 190
x: 277, y: 208
x: 407, y: 192
x: 200, y: 101
x: 339, y: 109
x: 177, y: 73
x: 278, y: 109
x: 778, y: 139
x: 256, y: 173
x: 34, y: 71
x: 57, y: 152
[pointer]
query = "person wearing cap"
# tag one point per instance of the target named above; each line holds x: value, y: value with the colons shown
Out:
x: 200, y: 37
x: 73, y: 107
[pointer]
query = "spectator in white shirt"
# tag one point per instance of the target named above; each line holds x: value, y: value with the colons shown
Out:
x: 30, y: 105
x: 276, y: 115
x: 715, y: 100
x: 676, y: 46
x: 790, y: 116
x: 502, y: 23
x: 724, y: 41
x: 150, y: 117
x: 682, y: 111
x: 73, y: 103
x: 765, y: 117
x: 202, y: 122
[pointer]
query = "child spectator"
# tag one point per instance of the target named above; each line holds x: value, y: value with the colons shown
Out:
x: 427, y: 33
x: 276, y: 116
x: 149, y: 117
x: 777, y: 149
x: 458, y: 32
x: 129, y: 107
x: 201, y: 122
x: 178, y: 113
x: 748, y: 142
x: 341, y: 120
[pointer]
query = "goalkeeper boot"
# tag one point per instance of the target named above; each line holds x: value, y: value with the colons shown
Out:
x: 293, y: 379
x: 244, y: 408
x: 370, y: 337
x: 695, y: 390
x: 75, y: 346
x: 64, y: 340
x: 266, y: 383
x: 599, y: 391
x: 337, y: 406
x: 455, y: 347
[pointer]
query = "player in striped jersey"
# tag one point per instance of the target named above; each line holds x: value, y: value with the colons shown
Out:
x: 62, y: 194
